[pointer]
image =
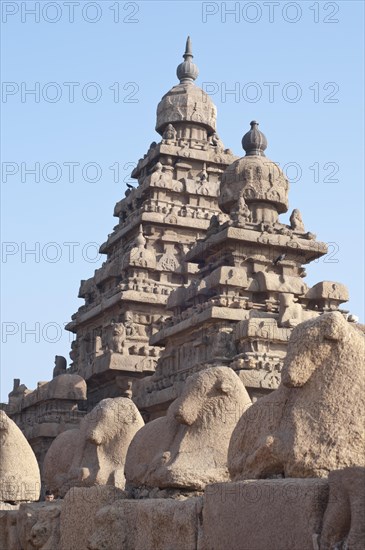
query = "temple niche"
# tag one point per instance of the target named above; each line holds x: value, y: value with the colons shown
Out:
x: 249, y: 291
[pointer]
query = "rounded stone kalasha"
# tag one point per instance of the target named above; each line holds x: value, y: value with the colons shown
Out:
x: 254, y: 142
x: 185, y: 102
x: 187, y: 71
x: 256, y: 179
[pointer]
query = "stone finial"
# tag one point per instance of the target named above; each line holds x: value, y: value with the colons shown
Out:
x: 254, y: 142
x: 187, y: 71
x: 140, y: 240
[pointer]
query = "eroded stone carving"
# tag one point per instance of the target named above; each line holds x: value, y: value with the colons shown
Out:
x: 94, y: 454
x: 117, y: 337
x: 169, y: 133
x: 344, y: 519
x: 45, y: 533
x: 291, y: 313
x: 296, y: 222
x: 19, y: 472
x: 146, y: 524
x: 188, y: 447
x: 311, y: 424
x: 60, y: 366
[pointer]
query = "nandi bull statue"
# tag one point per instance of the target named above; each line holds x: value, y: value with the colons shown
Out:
x: 188, y: 447
x: 313, y: 423
x: 95, y: 453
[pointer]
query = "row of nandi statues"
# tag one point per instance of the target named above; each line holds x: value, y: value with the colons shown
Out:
x: 312, y: 426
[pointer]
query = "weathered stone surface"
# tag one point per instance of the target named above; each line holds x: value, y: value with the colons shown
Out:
x: 344, y: 519
x: 152, y: 524
x: 58, y: 461
x: 94, y: 454
x: 19, y: 472
x: 250, y: 272
x: 80, y: 507
x: 313, y: 423
x: 38, y: 525
x: 262, y: 515
x: 50, y: 409
x: 188, y: 447
x: 9, y: 539
x: 63, y: 387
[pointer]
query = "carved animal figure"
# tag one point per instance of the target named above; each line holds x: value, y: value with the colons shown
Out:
x: 344, y: 519
x: 45, y: 533
x: 58, y: 460
x: 296, y: 222
x: 19, y: 471
x: 95, y: 453
x: 312, y: 423
x: 188, y: 447
x: 60, y: 365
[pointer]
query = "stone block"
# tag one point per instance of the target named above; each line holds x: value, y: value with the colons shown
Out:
x: 149, y: 524
x: 275, y: 514
x: 78, y: 514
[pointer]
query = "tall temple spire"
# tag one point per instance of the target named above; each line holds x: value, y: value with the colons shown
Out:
x: 187, y: 71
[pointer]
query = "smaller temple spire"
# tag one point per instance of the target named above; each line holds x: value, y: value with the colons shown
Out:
x: 187, y: 71
x: 254, y: 142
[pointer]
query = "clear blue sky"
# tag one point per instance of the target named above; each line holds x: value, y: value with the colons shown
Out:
x: 309, y: 51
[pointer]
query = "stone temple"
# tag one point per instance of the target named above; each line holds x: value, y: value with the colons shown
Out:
x: 199, y: 316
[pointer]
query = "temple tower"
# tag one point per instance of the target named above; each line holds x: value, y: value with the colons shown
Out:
x: 249, y: 291
x: 158, y: 221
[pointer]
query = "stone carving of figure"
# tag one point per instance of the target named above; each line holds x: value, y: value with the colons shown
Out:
x: 296, y: 222
x: 60, y: 366
x: 156, y: 172
x: 213, y: 226
x: 172, y: 451
x: 93, y: 454
x: 169, y: 133
x: 216, y: 142
x: 117, y: 337
x: 241, y: 214
x: 243, y: 209
x: 317, y: 407
x: 292, y: 313
x: 98, y: 345
x: 129, y: 324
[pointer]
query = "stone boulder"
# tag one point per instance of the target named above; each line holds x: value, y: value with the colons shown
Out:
x: 313, y: 423
x: 95, y: 453
x: 19, y: 471
x: 188, y: 448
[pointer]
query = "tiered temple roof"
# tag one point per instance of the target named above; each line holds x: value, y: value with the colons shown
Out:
x: 249, y: 291
x: 159, y: 220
